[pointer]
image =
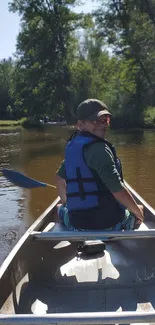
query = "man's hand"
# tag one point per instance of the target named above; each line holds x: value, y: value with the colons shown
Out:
x: 126, y: 198
x: 61, y: 186
x: 140, y: 214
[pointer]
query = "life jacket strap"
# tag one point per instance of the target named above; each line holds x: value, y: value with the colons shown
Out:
x: 80, y: 183
x: 84, y: 179
x: 77, y: 194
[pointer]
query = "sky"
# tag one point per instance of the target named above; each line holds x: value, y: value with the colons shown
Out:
x: 10, y: 24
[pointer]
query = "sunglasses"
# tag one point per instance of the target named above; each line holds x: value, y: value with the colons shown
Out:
x: 105, y: 118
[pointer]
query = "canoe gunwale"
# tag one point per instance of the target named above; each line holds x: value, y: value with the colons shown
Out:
x: 141, y: 200
x: 93, y: 318
x: 37, y: 223
x: 70, y: 318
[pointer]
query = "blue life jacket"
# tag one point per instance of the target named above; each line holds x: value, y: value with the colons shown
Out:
x: 85, y: 190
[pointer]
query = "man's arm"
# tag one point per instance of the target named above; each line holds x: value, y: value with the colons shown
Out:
x: 61, y: 183
x: 99, y: 157
x: 61, y: 186
x: 125, y: 198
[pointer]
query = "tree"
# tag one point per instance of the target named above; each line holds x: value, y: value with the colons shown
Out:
x: 6, y: 83
x: 129, y: 28
x: 99, y: 75
x: 43, y: 73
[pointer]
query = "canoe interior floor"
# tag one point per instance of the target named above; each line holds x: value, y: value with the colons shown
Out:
x: 123, y: 279
x: 120, y: 279
x: 39, y: 298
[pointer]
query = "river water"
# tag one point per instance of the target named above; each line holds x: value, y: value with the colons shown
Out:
x: 38, y: 154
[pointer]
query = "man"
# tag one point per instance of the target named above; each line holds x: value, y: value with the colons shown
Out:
x: 89, y: 181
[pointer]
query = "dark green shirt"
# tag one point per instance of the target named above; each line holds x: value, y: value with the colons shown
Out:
x: 99, y: 157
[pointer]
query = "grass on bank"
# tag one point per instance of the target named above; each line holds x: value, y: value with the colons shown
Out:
x: 11, y: 123
x: 24, y: 122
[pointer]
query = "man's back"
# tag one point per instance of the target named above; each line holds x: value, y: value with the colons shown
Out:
x: 93, y: 169
x: 100, y: 160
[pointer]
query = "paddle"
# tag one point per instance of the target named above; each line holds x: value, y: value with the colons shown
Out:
x: 21, y: 180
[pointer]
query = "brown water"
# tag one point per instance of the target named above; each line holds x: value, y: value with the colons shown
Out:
x: 38, y: 155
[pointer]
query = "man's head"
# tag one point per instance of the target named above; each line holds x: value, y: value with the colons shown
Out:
x: 93, y: 116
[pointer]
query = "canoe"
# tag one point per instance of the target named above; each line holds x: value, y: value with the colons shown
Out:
x: 44, y: 281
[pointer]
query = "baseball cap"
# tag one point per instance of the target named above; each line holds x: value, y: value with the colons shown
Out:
x: 91, y: 109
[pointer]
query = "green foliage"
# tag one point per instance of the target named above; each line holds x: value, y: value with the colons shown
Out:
x: 6, y: 82
x: 31, y: 122
x: 63, y: 58
x: 129, y: 28
x: 43, y: 75
x: 149, y: 117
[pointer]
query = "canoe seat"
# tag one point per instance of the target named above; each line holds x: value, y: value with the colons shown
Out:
x: 59, y: 232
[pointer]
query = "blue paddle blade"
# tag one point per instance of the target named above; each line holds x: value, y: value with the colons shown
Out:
x: 21, y: 180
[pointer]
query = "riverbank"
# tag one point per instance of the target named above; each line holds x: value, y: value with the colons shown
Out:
x: 148, y: 122
x: 24, y: 122
x: 28, y: 123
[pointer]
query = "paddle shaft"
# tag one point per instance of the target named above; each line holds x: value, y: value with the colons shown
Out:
x: 22, y: 180
x: 51, y: 185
